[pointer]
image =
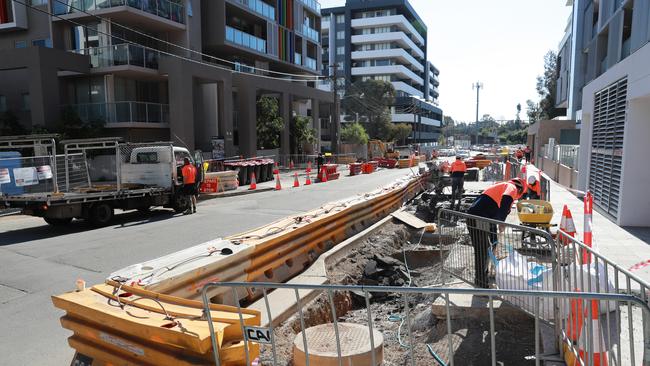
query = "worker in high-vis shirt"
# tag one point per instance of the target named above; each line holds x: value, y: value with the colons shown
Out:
x: 458, y: 169
x: 534, y: 188
x: 494, y: 203
x: 189, y: 172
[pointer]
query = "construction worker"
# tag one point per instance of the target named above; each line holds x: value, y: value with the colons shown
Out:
x: 534, y: 188
x: 519, y: 154
x: 458, y: 169
x: 189, y: 185
x: 494, y: 203
x: 527, y: 152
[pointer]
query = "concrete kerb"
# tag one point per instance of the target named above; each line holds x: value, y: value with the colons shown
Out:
x: 283, y: 302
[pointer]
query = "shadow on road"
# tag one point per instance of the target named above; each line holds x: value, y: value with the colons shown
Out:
x: 120, y: 221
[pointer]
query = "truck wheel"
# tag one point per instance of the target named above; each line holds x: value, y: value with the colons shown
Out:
x: 57, y: 222
x: 101, y: 214
x: 181, y: 203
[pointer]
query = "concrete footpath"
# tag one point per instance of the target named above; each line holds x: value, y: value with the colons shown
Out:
x: 623, y: 246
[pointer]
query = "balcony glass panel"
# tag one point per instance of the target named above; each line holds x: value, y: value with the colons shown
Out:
x: 310, y: 63
x: 310, y: 32
x: 120, y: 55
x: 259, y: 7
x: 167, y: 9
x: 122, y: 112
x: 297, y: 59
x: 312, y: 4
x: 244, y: 39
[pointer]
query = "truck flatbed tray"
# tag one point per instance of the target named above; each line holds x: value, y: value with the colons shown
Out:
x: 78, y: 197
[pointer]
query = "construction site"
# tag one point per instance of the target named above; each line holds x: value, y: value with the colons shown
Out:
x: 385, y: 277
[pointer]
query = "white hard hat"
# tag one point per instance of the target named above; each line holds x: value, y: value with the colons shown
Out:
x: 532, y: 179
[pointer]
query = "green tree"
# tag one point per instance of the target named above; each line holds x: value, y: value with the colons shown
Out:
x: 546, y: 87
x: 301, y: 133
x: 534, y: 112
x: 399, y: 132
x: 9, y: 125
x: 354, y: 133
x: 71, y: 126
x: 269, y: 123
x: 371, y: 101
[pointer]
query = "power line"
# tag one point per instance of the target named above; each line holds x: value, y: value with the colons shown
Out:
x: 182, y: 47
x: 146, y: 47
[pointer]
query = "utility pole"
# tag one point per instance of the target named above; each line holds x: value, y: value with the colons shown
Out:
x: 336, y: 124
x: 478, y: 86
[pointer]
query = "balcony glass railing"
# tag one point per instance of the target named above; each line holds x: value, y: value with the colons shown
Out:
x: 310, y: 33
x: 122, y: 112
x: 120, y: 55
x: 171, y: 10
x: 310, y: 63
x: 259, y: 7
x: 297, y: 59
x: 244, y: 39
x: 313, y: 5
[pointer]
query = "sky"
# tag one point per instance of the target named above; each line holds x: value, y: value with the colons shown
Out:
x: 500, y: 43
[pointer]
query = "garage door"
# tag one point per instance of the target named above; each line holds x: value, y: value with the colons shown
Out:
x: 607, y: 146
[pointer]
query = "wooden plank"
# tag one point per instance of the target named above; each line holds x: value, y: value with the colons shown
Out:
x: 410, y: 219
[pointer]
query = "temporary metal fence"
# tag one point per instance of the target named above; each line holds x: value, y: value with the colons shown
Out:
x: 33, y: 174
x: 301, y: 160
x: 442, y: 343
x: 477, y: 250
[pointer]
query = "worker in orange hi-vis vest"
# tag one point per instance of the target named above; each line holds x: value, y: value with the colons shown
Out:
x: 458, y: 169
x: 189, y: 185
x: 534, y: 188
x: 494, y: 203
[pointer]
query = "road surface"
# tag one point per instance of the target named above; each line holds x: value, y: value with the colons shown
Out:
x: 37, y: 261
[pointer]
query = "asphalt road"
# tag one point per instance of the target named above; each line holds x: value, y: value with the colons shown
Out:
x: 37, y: 261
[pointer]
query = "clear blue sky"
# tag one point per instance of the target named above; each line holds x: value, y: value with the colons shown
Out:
x: 499, y: 42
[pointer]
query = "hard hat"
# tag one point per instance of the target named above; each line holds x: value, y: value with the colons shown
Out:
x: 531, y: 179
x: 458, y: 157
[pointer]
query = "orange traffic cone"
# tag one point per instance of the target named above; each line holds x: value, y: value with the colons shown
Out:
x: 253, y: 182
x: 323, y: 173
x: 569, y: 226
x: 278, y: 185
x: 308, y: 180
x: 296, y: 184
x: 575, y: 320
x: 598, y: 356
x: 276, y: 169
x: 309, y: 167
x: 290, y: 164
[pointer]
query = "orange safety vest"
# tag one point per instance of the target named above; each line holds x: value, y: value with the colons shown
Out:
x: 537, y: 188
x: 497, y: 191
x: 189, y: 174
x: 458, y: 166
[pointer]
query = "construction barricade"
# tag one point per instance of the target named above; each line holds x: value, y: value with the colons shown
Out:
x: 369, y: 167
x: 318, y: 335
x: 355, y: 168
x: 331, y: 172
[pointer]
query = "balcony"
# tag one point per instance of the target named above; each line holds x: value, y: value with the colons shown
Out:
x: 121, y: 55
x: 124, y: 114
x: 310, y: 33
x: 397, y: 53
x: 259, y: 7
x: 400, y: 85
x: 313, y: 5
x: 297, y: 59
x: 244, y: 39
x: 397, y: 20
x: 310, y: 62
x: 400, y: 37
x: 162, y: 9
x: 402, y: 72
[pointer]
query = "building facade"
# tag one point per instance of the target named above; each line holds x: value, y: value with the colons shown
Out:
x: 385, y: 40
x: 190, y: 71
x: 608, y: 89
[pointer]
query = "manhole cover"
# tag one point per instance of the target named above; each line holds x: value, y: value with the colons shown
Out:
x: 354, y: 340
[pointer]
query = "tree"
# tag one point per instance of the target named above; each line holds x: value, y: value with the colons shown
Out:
x: 71, y: 126
x: 399, y: 132
x: 9, y: 125
x: 546, y: 88
x: 518, y: 117
x: 301, y: 133
x: 354, y: 133
x: 371, y: 100
x: 269, y: 123
x: 534, y: 112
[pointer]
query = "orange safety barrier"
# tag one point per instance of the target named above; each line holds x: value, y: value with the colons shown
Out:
x: 355, y: 168
x: 589, y: 203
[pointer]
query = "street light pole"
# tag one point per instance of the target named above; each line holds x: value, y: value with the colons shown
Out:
x: 336, y: 125
x: 478, y: 86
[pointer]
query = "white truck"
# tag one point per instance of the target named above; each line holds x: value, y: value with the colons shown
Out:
x: 91, y: 179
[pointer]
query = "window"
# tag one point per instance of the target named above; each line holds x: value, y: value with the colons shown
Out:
x: 38, y: 2
x: 340, y: 35
x: 382, y: 46
x: 20, y: 44
x: 340, y: 50
x: 340, y: 18
x: 150, y: 157
x: 3, y: 104
x: 26, y: 102
x: 326, y: 18
x: 42, y: 42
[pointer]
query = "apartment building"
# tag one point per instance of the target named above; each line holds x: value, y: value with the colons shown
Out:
x: 190, y: 71
x: 386, y: 40
x: 607, y: 83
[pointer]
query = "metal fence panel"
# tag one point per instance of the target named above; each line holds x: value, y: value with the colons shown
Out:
x: 445, y: 342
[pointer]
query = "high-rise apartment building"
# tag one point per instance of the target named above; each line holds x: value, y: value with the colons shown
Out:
x: 386, y: 40
x: 186, y: 70
x: 604, y: 82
